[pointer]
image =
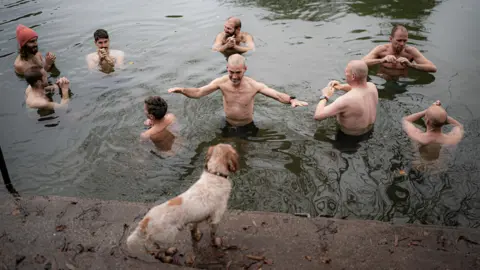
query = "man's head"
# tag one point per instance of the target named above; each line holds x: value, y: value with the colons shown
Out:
x: 236, y: 68
x: 27, y: 40
x: 399, y: 37
x: 356, y: 72
x: 155, y: 107
x: 436, y: 116
x: 36, y: 77
x: 101, y: 39
x: 232, y: 27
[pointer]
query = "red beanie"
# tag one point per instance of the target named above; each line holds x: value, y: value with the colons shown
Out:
x: 24, y: 34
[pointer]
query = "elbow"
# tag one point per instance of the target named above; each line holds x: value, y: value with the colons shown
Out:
x: 318, y: 117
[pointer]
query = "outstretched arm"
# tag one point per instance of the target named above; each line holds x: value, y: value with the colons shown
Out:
x: 198, y: 92
x: 282, y: 97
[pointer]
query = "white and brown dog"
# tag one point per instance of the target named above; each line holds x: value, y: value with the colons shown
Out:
x: 206, y: 200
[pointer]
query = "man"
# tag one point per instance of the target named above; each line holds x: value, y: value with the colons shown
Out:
x: 158, y: 121
x: 238, y: 95
x: 435, y: 118
x: 356, y: 111
x: 228, y: 42
x: 29, y: 55
x: 398, y: 55
x: 35, y: 94
x: 104, y: 58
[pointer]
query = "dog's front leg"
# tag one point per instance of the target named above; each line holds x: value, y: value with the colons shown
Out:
x: 195, y: 233
x: 216, y: 241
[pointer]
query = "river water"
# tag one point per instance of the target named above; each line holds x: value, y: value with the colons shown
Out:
x: 293, y: 164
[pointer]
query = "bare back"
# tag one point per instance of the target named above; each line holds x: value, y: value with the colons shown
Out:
x: 238, y: 101
x: 360, y: 110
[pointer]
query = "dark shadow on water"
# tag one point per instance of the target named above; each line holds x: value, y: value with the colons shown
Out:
x: 6, y: 177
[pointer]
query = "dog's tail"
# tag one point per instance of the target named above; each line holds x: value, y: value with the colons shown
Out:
x: 137, y: 240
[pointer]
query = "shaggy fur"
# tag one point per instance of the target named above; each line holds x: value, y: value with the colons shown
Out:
x: 206, y: 200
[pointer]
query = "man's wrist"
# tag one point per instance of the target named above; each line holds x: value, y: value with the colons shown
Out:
x: 291, y: 98
x: 323, y: 97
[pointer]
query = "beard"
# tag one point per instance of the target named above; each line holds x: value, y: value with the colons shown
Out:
x: 27, y: 52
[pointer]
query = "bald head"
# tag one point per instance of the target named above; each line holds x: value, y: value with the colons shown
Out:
x: 236, y: 60
x: 436, y: 116
x: 396, y: 28
x: 357, y: 70
x: 235, y: 21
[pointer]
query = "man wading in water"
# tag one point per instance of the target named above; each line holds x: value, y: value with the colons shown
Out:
x: 228, y: 42
x: 238, y: 93
x: 104, y: 58
x: 28, y: 54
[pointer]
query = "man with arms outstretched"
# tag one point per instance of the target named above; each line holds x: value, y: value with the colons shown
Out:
x: 238, y: 94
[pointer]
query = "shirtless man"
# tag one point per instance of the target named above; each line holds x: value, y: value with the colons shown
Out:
x: 28, y: 54
x: 397, y: 55
x: 104, y: 59
x: 356, y: 111
x: 158, y: 120
x: 435, y: 118
x: 35, y: 94
x: 228, y: 42
x: 238, y: 93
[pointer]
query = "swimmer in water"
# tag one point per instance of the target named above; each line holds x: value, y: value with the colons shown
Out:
x: 228, y: 42
x: 398, y: 55
x: 239, y: 93
x: 435, y: 118
x: 158, y: 121
x: 355, y: 111
x: 104, y: 59
x: 35, y: 94
x: 29, y: 55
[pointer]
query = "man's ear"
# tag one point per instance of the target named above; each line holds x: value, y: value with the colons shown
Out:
x: 151, y: 117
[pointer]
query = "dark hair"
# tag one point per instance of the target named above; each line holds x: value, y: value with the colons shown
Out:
x: 33, y: 75
x: 156, y: 106
x: 396, y: 27
x: 100, y: 33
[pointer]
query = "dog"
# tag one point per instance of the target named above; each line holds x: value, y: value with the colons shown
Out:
x: 205, y: 200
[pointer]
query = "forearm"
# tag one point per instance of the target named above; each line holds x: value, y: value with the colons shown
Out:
x: 47, y: 67
x: 453, y: 122
x: 319, y: 109
x: 241, y: 49
x: 373, y: 62
x: 414, y: 117
x: 344, y: 87
x: 191, y: 92
x: 424, y: 67
x: 220, y: 48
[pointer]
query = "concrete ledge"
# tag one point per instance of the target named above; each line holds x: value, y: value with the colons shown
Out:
x: 72, y: 233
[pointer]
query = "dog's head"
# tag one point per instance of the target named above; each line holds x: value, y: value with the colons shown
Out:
x: 222, y: 154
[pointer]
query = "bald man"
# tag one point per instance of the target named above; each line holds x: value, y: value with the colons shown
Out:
x: 435, y: 118
x: 238, y: 96
x: 229, y: 41
x: 398, y: 55
x: 356, y: 110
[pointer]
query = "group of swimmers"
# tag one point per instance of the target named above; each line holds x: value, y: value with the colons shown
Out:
x: 355, y: 111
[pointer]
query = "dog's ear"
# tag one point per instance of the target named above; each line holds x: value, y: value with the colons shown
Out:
x: 208, y: 155
x: 232, y: 159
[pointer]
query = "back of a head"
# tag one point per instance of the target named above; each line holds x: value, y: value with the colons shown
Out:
x: 100, y: 33
x: 156, y: 106
x: 436, y: 115
x: 236, y: 60
x: 360, y: 69
x: 33, y: 75
x: 396, y: 28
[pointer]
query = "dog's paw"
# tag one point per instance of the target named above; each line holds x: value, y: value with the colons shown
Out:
x: 197, y: 235
x: 171, y: 251
x: 163, y: 258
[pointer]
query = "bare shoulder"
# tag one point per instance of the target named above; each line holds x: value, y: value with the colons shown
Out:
x: 170, y: 118
x: 246, y: 35
x: 222, y: 79
x: 19, y: 65
x: 92, y: 56
x: 372, y: 86
x: 117, y: 53
x: 411, y: 50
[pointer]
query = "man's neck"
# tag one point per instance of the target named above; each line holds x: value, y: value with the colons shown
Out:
x: 38, y: 90
x: 356, y: 84
x: 433, y: 130
x: 28, y: 57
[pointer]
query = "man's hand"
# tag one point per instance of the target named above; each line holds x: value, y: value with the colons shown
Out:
x: 231, y: 42
x: 148, y: 123
x: 298, y: 103
x: 333, y: 84
x: 389, y: 59
x: 404, y: 61
x: 328, y: 91
x: 102, y: 54
x: 175, y: 90
x: 50, y: 58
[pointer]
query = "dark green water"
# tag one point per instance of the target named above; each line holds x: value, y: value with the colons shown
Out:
x: 293, y: 165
